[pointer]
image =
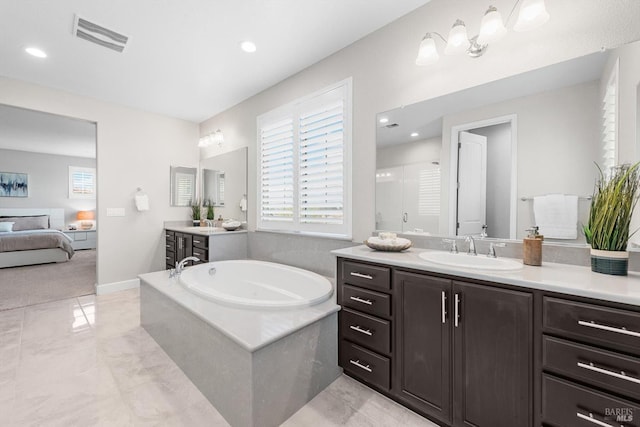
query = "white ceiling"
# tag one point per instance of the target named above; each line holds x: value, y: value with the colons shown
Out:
x: 183, y: 57
x: 35, y: 131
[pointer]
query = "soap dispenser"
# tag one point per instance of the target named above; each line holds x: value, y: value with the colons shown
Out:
x: 532, y: 247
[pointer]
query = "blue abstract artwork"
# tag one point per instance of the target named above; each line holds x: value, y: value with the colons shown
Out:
x: 14, y: 184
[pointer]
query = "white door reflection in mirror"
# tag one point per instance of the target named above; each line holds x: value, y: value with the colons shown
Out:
x: 472, y: 184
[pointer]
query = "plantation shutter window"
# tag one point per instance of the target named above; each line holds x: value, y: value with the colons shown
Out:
x: 82, y: 183
x: 186, y: 185
x: 304, y: 156
x: 610, y: 122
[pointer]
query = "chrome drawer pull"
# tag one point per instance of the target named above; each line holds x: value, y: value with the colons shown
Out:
x: 620, y: 375
x: 360, y: 365
x: 357, y: 328
x: 196, y: 241
x: 363, y: 301
x: 592, y: 324
x: 456, y: 314
x: 444, y: 307
x: 592, y: 420
x: 362, y: 276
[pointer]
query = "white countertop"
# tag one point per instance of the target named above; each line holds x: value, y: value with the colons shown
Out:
x: 202, y: 231
x: 250, y: 328
x: 561, y: 278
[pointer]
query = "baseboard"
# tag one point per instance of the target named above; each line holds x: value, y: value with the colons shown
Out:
x: 108, y: 288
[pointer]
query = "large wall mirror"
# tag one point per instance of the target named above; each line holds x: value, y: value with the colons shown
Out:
x: 224, y: 183
x: 475, y: 162
x: 183, y: 185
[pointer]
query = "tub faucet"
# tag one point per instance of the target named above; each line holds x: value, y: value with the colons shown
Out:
x: 175, y: 272
x: 472, y: 246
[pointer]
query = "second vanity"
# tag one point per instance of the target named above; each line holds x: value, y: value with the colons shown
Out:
x: 556, y: 345
x: 206, y: 243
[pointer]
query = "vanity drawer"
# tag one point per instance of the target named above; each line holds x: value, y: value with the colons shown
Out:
x: 365, y: 365
x: 366, y: 330
x: 569, y: 405
x: 170, y: 236
x: 611, y: 371
x: 371, y: 302
x: 201, y: 254
x: 201, y: 242
x: 606, y: 326
x: 367, y: 276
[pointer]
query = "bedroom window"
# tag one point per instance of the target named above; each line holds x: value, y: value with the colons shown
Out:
x: 304, y: 158
x: 82, y: 183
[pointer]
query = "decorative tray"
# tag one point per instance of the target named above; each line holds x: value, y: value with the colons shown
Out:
x: 389, y: 245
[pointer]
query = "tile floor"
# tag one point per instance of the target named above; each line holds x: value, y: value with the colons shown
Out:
x: 87, y: 362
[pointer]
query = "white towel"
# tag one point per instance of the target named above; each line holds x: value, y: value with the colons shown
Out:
x: 243, y: 204
x: 557, y: 215
x: 142, y: 202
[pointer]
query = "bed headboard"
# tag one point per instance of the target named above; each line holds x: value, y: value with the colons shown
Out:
x: 56, y: 215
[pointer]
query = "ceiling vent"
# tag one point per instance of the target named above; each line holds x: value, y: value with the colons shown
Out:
x: 99, y: 35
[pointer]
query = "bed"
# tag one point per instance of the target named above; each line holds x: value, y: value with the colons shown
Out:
x: 36, y: 239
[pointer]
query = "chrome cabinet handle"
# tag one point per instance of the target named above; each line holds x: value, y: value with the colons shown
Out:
x: 362, y: 276
x: 456, y: 315
x: 444, y: 307
x: 592, y: 420
x: 360, y: 300
x: 357, y: 328
x: 595, y: 325
x: 621, y: 375
x: 360, y: 365
x: 196, y: 241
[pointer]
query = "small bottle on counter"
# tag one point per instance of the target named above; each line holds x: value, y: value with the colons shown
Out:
x: 532, y: 247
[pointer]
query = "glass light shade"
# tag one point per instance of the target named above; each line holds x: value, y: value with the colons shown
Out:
x: 458, y: 39
x: 218, y: 137
x: 491, y: 28
x: 533, y: 14
x: 427, y: 53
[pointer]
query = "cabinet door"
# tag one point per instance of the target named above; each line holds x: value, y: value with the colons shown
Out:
x: 423, y: 343
x: 493, y: 350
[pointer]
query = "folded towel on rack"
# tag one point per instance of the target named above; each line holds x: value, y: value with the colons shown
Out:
x: 142, y: 202
x: 557, y: 215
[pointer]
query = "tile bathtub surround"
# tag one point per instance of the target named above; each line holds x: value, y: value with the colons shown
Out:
x: 86, y: 361
x: 307, y: 252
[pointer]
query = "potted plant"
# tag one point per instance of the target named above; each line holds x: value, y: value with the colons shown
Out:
x: 210, y: 213
x: 195, y: 213
x: 614, y: 198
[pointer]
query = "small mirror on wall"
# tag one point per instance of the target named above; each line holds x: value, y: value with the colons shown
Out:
x: 213, y: 186
x: 183, y: 185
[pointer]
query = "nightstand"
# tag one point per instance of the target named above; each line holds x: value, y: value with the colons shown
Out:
x: 82, y: 239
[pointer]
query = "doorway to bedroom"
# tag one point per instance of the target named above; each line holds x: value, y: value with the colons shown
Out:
x: 48, y: 220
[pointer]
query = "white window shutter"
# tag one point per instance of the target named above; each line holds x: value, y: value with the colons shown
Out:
x: 276, y: 171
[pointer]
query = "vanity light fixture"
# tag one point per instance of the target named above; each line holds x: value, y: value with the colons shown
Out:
x: 34, y: 51
x: 532, y: 14
x: 216, y: 137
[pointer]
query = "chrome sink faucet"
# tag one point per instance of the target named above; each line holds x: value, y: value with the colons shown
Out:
x: 492, y: 249
x: 209, y: 223
x: 472, y: 246
x: 454, y: 245
x: 175, y: 272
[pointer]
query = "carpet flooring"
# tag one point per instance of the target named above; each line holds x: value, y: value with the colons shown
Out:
x: 36, y: 284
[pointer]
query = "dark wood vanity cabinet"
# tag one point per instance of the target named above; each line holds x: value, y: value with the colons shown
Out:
x: 464, y: 351
x: 181, y: 245
x: 460, y: 353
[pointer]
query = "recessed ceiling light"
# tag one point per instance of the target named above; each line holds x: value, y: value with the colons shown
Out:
x: 414, y: 134
x: 384, y: 120
x: 248, y: 46
x: 34, y: 51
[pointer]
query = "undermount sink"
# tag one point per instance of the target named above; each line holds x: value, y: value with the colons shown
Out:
x: 478, y: 262
x: 206, y: 229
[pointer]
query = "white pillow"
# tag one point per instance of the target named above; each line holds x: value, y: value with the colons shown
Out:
x: 6, y: 227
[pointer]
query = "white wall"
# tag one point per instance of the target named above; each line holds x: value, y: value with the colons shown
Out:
x: 498, y: 178
x: 425, y: 150
x: 48, y: 181
x: 135, y: 149
x: 385, y: 76
x: 551, y: 127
